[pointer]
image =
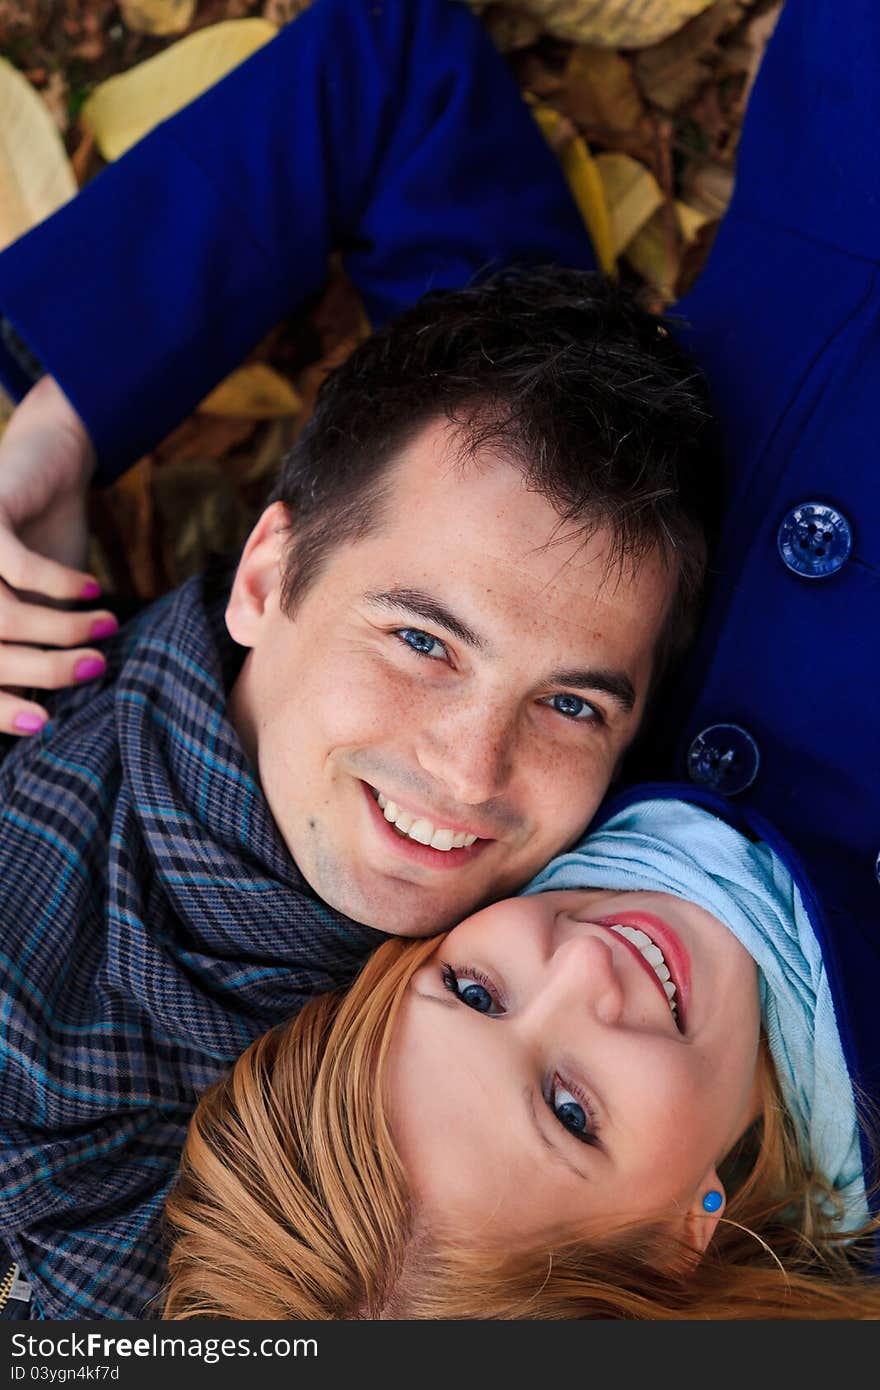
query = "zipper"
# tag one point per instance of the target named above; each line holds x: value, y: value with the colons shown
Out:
x: 13, y: 1288
x: 6, y: 1285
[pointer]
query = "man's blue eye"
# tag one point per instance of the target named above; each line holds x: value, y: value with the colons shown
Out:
x: 573, y: 707
x: 421, y: 642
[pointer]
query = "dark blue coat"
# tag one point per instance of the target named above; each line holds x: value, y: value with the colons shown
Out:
x: 394, y: 131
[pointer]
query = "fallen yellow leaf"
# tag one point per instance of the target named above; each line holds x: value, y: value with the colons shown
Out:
x: 655, y: 253
x: 609, y: 23
x: 582, y: 176
x: 158, y: 17
x: 631, y: 192
x: 255, y: 391
x: 121, y: 110
x: 690, y: 220
x: 35, y: 174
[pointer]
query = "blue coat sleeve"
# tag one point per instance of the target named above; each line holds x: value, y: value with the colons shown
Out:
x: 777, y: 706
x: 391, y: 131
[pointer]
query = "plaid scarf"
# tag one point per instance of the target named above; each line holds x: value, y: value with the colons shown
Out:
x: 152, y: 924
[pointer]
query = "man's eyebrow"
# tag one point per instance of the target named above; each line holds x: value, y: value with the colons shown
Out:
x: 421, y: 605
x: 617, y: 684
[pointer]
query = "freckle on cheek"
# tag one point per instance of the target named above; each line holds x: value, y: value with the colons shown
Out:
x: 312, y: 823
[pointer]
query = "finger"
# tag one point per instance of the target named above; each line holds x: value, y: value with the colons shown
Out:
x: 20, y: 717
x: 52, y: 627
x: 24, y: 569
x: 32, y: 668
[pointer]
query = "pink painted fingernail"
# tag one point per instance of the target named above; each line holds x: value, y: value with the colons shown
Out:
x: 88, y: 668
x: 28, y: 723
x: 91, y: 589
x: 104, y: 627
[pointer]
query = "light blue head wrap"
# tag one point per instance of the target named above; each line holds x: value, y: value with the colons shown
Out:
x: 672, y: 847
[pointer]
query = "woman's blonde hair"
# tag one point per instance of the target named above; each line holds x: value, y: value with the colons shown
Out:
x: 291, y: 1203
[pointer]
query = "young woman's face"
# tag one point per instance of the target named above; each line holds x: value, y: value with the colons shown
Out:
x: 539, y: 1081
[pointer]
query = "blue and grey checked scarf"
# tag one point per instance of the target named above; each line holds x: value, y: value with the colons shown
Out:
x: 152, y: 924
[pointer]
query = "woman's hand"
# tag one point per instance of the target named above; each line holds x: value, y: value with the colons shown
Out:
x: 46, y: 465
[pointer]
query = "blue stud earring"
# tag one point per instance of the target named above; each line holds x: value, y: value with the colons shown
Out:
x: 712, y: 1202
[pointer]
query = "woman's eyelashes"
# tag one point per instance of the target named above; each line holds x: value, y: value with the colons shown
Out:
x: 474, y: 989
x: 566, y: 1101
x: 573, y: 1111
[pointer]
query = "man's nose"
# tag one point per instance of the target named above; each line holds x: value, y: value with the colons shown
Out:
x: 470, y: 749
x: 581, y: 977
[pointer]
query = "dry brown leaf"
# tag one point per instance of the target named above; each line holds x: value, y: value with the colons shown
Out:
x: 255, y: 391
x: 608, y: 23
x: 123, y: 539
x: 694, y: 258
x: 708, y: 188
x: 691, y: 221
x: 262, y: 462
x: 752, y: 46
x: 632, y: 194
x: 510, y: 28
x: 121, y: 110
x: 159, y: 17
x: 56, y: 95
x: 535, y: 75
x: 280, y: 12
x: 35, y: 173
x: 204, y: 436
x: 197, y: 514
x: 672, y: 73
x: 600, y: 92
x: 583, y: 178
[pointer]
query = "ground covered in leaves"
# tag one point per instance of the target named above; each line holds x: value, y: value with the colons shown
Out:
x: 642, y: 102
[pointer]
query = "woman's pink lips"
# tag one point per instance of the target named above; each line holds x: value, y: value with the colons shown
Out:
x: 669, y: 944
x: 421, y: 854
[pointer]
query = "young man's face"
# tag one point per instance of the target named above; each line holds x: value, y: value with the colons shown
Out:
x: 472, y: 670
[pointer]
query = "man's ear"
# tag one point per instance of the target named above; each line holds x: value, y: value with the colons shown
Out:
x: 704, y: 1213
x: 258, y: 577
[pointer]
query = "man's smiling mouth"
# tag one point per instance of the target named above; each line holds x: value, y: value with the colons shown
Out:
x: 420, y: 829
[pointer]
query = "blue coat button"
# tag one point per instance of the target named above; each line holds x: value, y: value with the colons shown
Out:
x: 814, y: 540
x: 724, y: 757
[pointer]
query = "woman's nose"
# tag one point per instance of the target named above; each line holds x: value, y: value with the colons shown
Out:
x: 581, y: 976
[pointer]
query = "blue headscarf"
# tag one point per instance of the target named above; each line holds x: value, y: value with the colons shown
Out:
x: 672, y: 847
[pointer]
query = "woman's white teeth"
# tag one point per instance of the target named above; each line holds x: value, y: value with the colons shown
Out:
x: 654, y: 956
x: 438, y: 837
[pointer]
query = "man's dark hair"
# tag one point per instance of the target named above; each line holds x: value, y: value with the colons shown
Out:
x: 560, y: 371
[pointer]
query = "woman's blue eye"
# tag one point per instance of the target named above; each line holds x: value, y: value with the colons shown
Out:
x: 421, y: 642
x: 572, y: 1115
x: 573, y: 707
x: 472, y: 993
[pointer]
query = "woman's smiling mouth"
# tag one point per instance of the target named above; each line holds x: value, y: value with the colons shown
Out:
x: 660, y: 952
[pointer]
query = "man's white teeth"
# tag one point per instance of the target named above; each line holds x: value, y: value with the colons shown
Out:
x: 654, y: 956
x: 422, y: 830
